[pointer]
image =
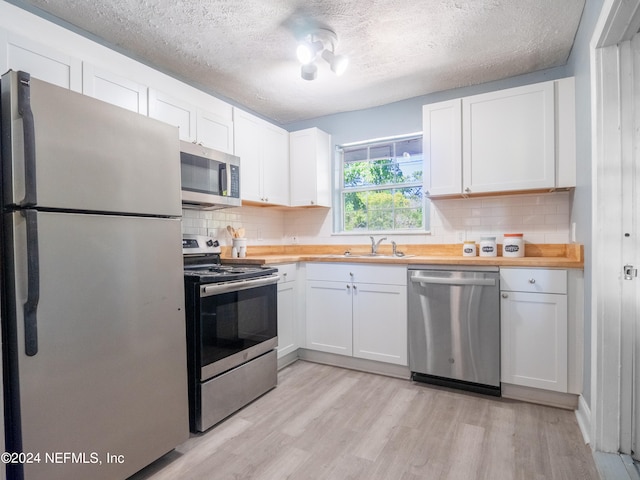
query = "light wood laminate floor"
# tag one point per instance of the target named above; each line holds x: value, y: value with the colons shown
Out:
x: 323, y: 422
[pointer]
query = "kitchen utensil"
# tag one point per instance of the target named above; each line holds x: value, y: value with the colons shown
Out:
x: 231, y: 231
x: 240, y: 232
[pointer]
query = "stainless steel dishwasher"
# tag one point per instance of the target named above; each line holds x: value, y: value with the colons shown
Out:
x: 454, y: 326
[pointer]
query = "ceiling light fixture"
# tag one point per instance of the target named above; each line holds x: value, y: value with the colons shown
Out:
x: 320, y: 42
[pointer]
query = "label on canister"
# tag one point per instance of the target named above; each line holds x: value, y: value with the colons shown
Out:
x: 488, y: 247
x: 513, y: 245
x: 469, y: 249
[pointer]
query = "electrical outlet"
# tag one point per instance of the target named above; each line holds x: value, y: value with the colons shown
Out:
x: 294, y: 239
x: 573, y: 232
x: 259, y: 234
x: 460, y: 236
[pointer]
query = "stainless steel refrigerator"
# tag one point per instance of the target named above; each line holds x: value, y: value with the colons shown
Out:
x: 94, y: 358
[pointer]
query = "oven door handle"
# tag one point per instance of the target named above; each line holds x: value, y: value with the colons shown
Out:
x: 218, y: 288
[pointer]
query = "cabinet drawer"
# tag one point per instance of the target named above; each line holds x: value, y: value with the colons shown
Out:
x: 287, y: 272
x: 357, y: 273
x: 533, y: 280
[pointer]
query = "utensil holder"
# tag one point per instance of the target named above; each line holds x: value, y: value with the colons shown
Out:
x: 240, y: 244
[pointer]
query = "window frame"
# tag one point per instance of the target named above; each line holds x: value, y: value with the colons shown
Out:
x: 340, y: 190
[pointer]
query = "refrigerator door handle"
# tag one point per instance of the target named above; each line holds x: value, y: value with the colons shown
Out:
x: 33, y: 284
x: 24, y: 109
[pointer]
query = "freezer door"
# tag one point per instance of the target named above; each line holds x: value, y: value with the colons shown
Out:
x: 64, y: 150
x: 109, y: 376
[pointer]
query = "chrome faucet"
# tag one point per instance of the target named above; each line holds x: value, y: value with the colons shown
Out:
x: 374, y: 244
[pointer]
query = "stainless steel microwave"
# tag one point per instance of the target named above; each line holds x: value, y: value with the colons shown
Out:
x: 210, y: 178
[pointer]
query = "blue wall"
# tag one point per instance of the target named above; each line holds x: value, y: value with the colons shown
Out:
x: 579, y: 66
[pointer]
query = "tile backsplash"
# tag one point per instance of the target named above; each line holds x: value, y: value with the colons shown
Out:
x: 543, y: 218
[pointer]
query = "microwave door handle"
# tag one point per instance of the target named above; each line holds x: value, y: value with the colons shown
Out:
x: 28, y: 128
x: 224, y: 173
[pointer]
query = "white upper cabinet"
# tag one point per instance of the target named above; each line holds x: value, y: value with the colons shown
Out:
x: 175, y: 112
x: 508, y: 139
x: 41, y: 62
x: 211, y: 126
x: 263, y: 149
x: 114, y: 89
x: 310, y: 167
x: 215, y: 131
x: 511, y: 140
x: 442, y: 147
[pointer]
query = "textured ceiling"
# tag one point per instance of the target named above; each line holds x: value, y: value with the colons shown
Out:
x: 245, y: 49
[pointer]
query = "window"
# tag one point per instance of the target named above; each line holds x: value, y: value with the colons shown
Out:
x: 381, y: 186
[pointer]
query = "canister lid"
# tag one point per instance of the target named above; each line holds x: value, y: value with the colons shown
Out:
x: 491, y: 239
x: 513, y: 235
x: 469, y: 241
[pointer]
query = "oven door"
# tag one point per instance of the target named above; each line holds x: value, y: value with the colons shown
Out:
x: 238, y: 322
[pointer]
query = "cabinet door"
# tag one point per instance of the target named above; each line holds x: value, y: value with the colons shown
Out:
x: 286, y: 318
x: 534, y: 340
x: 310, y: 167
x: 114, y: 89
x: 329, y: 317
x: 174, y: 112
x: 246, y: 145
x: 380, y: 323
x: 214, y: 131
x: 509, y: 139
x: 275, y: 164
x: 43, y: 63
x: 442, y: 147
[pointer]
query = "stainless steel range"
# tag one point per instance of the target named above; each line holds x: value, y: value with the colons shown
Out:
x: 231, y: 314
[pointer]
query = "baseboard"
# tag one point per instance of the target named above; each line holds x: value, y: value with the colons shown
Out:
x: 353, y: 363
x: 583, y: 415
x: 568, y: 401
x: 287, y: 360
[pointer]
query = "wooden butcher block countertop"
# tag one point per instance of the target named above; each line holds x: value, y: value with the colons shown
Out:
x: 536, y: 255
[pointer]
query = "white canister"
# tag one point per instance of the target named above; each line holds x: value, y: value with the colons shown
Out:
x: 469, y: 248
x: 513, y: 245
x: 488, y: 247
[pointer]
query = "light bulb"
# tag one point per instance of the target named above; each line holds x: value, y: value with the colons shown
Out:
x: 307, y: 51
x: 338, y: 63
x: 303, y: 52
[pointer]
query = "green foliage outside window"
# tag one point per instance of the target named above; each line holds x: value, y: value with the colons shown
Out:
x: 382, y: 186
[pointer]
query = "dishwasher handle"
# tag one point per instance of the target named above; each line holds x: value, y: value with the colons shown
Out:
x: 423, y: 280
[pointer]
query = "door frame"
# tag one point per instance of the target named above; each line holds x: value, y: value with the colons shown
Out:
x: 614, y: 302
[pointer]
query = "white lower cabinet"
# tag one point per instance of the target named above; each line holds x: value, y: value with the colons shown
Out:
x: 329, y: 317
x: 379, y: 322
x: 287, y: 308
x: 357, y: 310
x: 533, y: 315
